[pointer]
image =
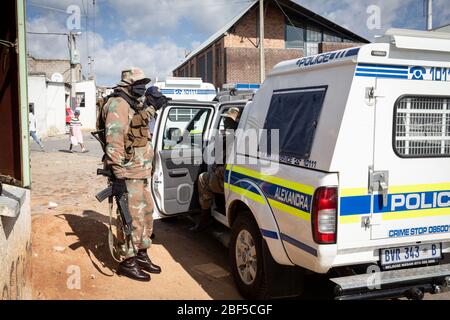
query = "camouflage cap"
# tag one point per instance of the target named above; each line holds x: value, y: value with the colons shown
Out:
x: 132, y: 76
x: 232, y: 113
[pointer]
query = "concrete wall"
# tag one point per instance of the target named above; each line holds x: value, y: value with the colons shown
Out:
x: 15, y: 244
x: 88, y: 115
x: 51, y: 66
x: 49, y: 105
x: 56, y: 108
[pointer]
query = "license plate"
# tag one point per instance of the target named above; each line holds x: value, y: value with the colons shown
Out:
x: 410, y: 256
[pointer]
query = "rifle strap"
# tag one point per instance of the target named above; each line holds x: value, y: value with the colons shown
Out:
x: 112, y: 247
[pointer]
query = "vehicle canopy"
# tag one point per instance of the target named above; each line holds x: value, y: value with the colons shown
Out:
x: 379, y: 117
x: 191, y: 89
x: 342, y: 78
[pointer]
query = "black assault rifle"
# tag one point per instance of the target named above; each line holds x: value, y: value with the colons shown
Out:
x: 122, y: 202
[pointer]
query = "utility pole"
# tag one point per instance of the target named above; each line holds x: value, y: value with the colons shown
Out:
x: 90, y: 63
x: 262, y: 58
x: 74, y: 58
x: 74, y: 61
x: 72, y: 72
x: 429, y: 15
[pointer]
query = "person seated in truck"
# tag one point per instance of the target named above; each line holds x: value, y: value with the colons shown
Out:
x: 212, y: 182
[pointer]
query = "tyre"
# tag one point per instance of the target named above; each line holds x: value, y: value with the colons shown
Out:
x: 246, y: 257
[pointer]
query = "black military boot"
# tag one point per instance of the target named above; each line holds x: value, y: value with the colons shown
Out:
x: 145, y: 263
x: 205, y: 221
x: 130, y: 268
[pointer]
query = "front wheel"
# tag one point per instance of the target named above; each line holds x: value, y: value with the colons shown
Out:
x: 246, y: 257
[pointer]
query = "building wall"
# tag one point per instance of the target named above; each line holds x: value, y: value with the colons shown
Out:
x: 88, y: 116
x: 243, y: 63
x: 15, y: 245
x: 245, y: 34
x: 49, y: 67
x: 37, y: 94
x: 56, y: 109
x: 240, y: 53
x: 334, y: 46
x: 192, y: 67
x: 49, y: 105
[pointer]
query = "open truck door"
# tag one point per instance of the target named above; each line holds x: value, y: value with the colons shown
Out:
x: 179, y: 141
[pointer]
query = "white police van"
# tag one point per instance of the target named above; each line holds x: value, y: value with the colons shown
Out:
x: 357, y: 183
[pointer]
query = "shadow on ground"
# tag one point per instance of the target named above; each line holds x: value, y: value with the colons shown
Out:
x: 92, y: 234
x: 202, y: 256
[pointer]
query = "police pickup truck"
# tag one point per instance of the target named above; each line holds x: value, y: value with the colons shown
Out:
x: 349, y: 175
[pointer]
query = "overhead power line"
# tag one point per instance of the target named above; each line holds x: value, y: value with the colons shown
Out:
x: 47, y: 7
x: 49, y: 33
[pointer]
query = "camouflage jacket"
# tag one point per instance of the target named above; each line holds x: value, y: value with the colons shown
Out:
x: 117, y: 115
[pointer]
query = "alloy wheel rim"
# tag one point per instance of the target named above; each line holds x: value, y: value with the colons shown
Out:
x: 246, y: 259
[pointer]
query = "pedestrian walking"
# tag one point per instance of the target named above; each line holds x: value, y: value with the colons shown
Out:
x: 32, y: 124
x: 76, y: 135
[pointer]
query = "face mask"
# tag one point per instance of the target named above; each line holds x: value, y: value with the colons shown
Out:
x: 138, y: 90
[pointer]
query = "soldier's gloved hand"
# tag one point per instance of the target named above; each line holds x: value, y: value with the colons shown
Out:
x: 119, y: 187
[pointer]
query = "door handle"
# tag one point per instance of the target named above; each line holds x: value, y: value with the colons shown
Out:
x: 384, y: 191
x: 379, y: 181
x: 178, y: 173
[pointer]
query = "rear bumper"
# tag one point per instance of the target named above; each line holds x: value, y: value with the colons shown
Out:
x: 410, y: 283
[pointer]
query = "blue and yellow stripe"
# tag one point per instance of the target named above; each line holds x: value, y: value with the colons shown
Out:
x: 355, y: 203
x: 238, y: 180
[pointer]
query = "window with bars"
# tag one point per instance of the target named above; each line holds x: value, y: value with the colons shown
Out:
x: 182, y: 115
x: 422, y: 127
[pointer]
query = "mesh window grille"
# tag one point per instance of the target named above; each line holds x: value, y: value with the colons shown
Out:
x: 182, y: 115
x: 422, y: 127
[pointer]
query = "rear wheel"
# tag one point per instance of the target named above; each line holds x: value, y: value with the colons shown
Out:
x: 246, y: 257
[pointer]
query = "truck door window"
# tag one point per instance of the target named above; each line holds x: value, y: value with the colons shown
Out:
x: 185, y: 127
x: 295, y: 113
x: 422, y: 127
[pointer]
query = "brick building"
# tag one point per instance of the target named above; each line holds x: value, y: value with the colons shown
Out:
x: 51, y: 66
x: 291, y: 31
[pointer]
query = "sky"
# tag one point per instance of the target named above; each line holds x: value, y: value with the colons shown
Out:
x: 155, y: 35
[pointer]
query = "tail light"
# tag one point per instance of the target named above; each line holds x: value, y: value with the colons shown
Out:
x: 324, y: 215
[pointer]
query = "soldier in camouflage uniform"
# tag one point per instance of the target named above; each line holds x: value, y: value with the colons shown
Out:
x: 129, y: 155
x: 212, y: 182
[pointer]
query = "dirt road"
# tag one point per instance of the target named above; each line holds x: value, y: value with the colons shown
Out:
x: 72, y: 238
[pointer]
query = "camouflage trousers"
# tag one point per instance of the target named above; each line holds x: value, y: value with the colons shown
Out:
x: 140, y: 205
x: 210, y: 183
